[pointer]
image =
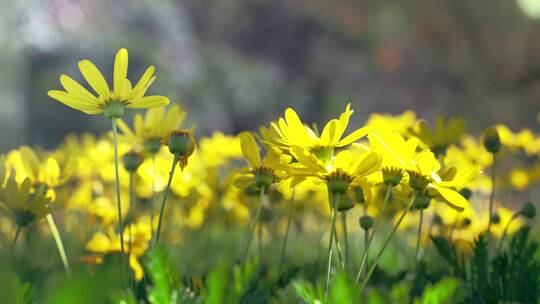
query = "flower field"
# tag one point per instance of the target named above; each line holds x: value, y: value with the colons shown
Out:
x: 400, y: 210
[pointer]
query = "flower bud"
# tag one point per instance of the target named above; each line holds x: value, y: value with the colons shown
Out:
x: 132, y: 160
x: 181, y: 143
x: 345, y: 203
x: 495, y: 218
x: 492, y: 141
x: 152, y: 145
x: 528, y: 210
x: 421, y: 201
x: 366, y: 222
x: 466, y: 193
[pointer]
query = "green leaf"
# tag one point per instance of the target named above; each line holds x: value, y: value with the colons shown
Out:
x: 445, y: 291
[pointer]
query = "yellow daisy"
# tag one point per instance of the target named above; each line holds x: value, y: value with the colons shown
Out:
x: 290, y: 131
x: 111, y: 102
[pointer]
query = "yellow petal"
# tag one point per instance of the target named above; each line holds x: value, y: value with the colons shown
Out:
x: 367, y: 165
x: 30, y: 162
x: 250, y: 149
x: 329, y: 133
x: 452, y: 197
x: 120, y: 71
x: 77, y: 90
x: 148, y: 102
x: 94, y: 78
x: 354, y: 136
x: 72, y: 102
x: 142, y: 85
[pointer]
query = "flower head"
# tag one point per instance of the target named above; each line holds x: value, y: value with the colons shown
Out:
x: 111, y: 102
x: 261, y: 172
x: 290, y: 131
x: 23, y: 205
x: 155, y: 126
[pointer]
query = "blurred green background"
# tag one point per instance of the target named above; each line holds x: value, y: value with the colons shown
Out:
x: 235, y: 65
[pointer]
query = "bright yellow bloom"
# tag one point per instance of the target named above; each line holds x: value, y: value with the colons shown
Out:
x: 154, y: 127
x: 342, y: 169
x: 136, y: 239
x: 261, y: 172
x: 23, y: 205
x: 123, y: 94
x: 441, y: 183
x: 290, y: 131
x: 401, y: 123
x: 443, y: 135
x: 524, y: 140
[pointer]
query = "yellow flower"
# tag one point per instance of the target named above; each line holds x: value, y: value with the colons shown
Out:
x: 443, y: 135
x: 392, y: 123
x: 260, y: 172
x: 136, y: 238
x: 290, y: 131
x: 155, y: 126
x: 343, y: 169
x: 524, y: 140
x: 112, y: 102
x: 441, y: 183
x: 22, y: 204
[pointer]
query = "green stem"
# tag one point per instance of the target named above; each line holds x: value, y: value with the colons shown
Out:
x: 15, y: 238
x: 492, y: 196
x: 253, y: 224
x: 345, y: 237
x: 153, y: 201
x: 366, y: 240
x: 259, y: 238
x: 165, y: 195
x: 131, y: 213
x: 331, y: 241
x: 118, y: 203
x: 338, y: 249
x: 282, y: 255
x: 59, y: 243
x: 417, y: 251
x: 505, y: 232
x: 378, y: 257
x: 365, y: 257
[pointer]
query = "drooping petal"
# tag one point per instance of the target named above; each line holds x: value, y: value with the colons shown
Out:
x: 148, y: 102
x: 94, y: 78
x: 120, y: 71
x: 451, y: 197
x: 75, y: 103
x: 250, y: 149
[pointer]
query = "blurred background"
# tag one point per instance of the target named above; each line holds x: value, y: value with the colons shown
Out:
x: 235, y: 65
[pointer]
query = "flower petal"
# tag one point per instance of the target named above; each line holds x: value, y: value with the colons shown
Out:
x: 148, y: 102
x: 354, y: 136
x: 452, y: 197
x: 120, y: 71
x: 77, y: 104
x: 250, y: 149
x: 94, y: 78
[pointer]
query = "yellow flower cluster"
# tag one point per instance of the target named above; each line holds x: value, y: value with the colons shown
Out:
x: 395, y: 161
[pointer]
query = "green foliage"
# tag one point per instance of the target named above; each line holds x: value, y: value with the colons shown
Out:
x: 12, y: 290
x: 510, y: 276
x: 84, y: 287
x: 445, y: 291
x: 166, y: 287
